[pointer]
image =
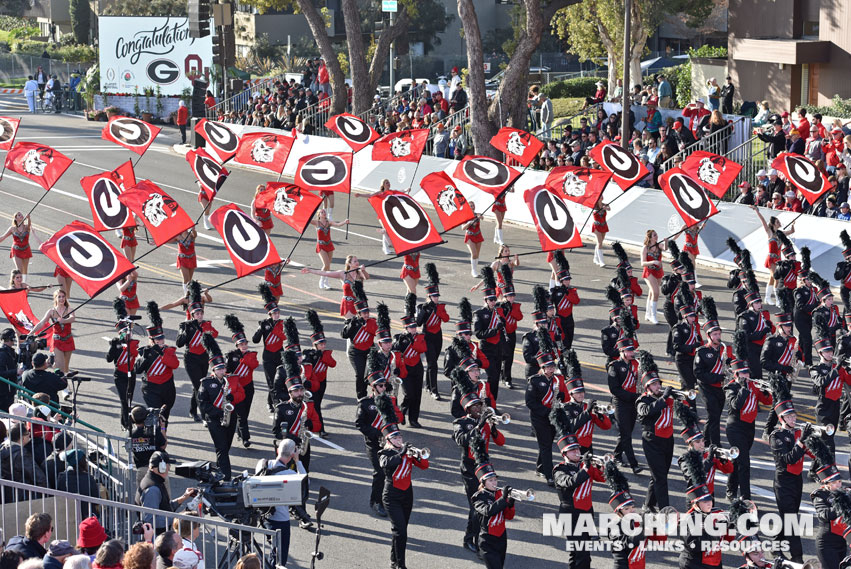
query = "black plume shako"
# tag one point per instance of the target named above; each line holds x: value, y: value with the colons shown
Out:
x: 432, y: 274
x: 674, y: 250
x: 291, y: 365
x: 233, y: 324
x: 120, y: 308
x: 193, y: 291
x: 707, y: 305
x: 541, y: 297
x: 507, y: 275
x: 461, y: 348
x: 750, y: 282
x: 383, y: 318
x: 357, y: 289
x: 386, y: 408
x: 545, y: 342
x: 784, y: 241
x: 561, y: 261
x: 733, y: 245
x: 479, y: 448
x: 488, y: 277
x: 740, y: 345
x: 462, y: 382
x: 620, y: 253
x: 315, y: 322
x: 846, y: 239
x: 626, y: 325
x: 466, y: 310
x: 266, y: 293
x: 373, y: 364
x: 821, y: 324
x: 818, y: 448
x: 685, y: 297
x: 842, y: 505
x: 686, y: 414
x: 291, y: 331
x: 573, y: 367
x: 806, y: 260
x: 782, y: 268
x: 780, y: 389
x: 738, y: 508
x: 211, y: 345
x: 685, y: 261
x: 818, y: 280
x: 622, y: 279
x: 646, y: 363
x: 560, y: 421
x: 614, y: 297
x: 691, y: 463
x: 615, y: 478
x: 154, y: 313
x: 410, y: 305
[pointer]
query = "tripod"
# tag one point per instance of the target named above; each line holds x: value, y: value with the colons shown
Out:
x: 241, y: 543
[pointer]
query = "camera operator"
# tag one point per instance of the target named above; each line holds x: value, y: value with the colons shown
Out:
x: 146, y: 435
x: 153, y: 492
x: 27, y: 347
x: 8, y: 368
x: 278, y: 518
x: 39, y: 379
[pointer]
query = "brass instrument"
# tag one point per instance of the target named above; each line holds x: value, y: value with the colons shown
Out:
x: 419, y: 453
x: 304, y: 439
x: 603, y: 408
x: 728, y: 454
x: 601, y: 461
x: 691, y: 394
x: 308, y: 396
x: 762, y: 385
x: 228, y: 407
x: 825, y: 431
x: 521, y: 495
x: 491, y: 416
x: 397, y: 383
x: 781, y: 563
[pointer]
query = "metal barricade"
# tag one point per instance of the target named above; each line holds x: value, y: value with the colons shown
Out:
x: 557, y: 132
x: 458, y: 118
x: 240, y: 100
x: 753, y: 155
x: 109, y: 458
x: 715, y: 142
x: 220, y: 542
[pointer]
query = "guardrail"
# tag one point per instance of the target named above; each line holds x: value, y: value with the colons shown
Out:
x: 238, y: 101
x: 458, y: 118
x: 715, y: 142
x: 315, y: 116
x: 753, y: 156
x: 221, y: 543
x: 557, y: 132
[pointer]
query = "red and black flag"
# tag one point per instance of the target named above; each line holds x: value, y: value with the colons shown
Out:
x: 715, y: 173
x: 8, y: 131
x: 248, y: 245
x: 329, y: 172
x: 687, y: 196
x: 289, y: 203
x: 405, y: 145
x: 623, y: 165
x: 103, y: 190
x: 578, y: 184
x: 222, y: 142
x: 209, y: 173
x: 88, y: 258
x: 133, y: 134
x: 16, y: 307
x: 552, y: 219
x: 485, y: 173
x: 405, y: 221
x: 41, y: 164
x: 451, y: 206
x: 264, y: 150
x: 162, y: 216
x: 354, y: 130
x: 517, y: 145
x: 803, y: 174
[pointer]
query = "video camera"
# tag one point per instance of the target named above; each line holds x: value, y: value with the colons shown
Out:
x: 153, y: 420
x: 27, y: 348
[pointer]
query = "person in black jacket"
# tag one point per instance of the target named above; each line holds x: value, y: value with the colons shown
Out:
x: 430, y: 315
x: 8, y: 368
x: 686, y: 339
x: 833, y: 506
x: 77, y: 480
x: 153, y: 492
x: 776, y: 140
x: 489, y: 326
x: 655, y: 411
x: 215, y: 401
x: 494, y: 506
x: 39, y: 380
x: 623, y: 382
x: 368, y: 421
x: 806, y: 301
x: 17, y: 463
x: 38, y: 532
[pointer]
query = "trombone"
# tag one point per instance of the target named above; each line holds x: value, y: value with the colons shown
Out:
x: 728, y: 454
x: 419, y: 453
x: 521, y: 495
x: 491, y: 416
x: 691, y: 394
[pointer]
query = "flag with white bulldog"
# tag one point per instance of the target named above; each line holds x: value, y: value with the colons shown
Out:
x: 264, y: 150
x: 578, y: 184
x: 405, y: 146
x: 451, y: 206
x: 293, y: 205
x: 517, y: 145
x: 715, y: 173
x: 38, y: 162
x: 161, y: 214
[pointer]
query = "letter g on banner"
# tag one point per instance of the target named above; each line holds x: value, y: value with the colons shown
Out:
x: 85, y: 255
x: 406, y: 219
x: 248, y: 245
x: 111, y: 213
x: 687, y: 196
x: 553, y: 221
x: 623, y: 165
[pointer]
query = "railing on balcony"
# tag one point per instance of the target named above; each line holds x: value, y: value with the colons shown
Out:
x: 240, y: 100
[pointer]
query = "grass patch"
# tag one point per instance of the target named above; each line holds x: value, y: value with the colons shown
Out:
x: 567, y: 107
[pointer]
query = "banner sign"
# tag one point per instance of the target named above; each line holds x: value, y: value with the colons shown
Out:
x: 150, y: 52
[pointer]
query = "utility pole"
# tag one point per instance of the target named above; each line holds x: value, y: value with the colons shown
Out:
x: 625, y: 97
x: 392, y: 58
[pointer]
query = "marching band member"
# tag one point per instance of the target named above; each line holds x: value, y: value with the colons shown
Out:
x: 709, y: 360
x: 467, y: 363
x: 655, y: 411
x: 599, y: 227
x: 216, y: 403
x: 623, y: 263
x: 280, y: 392
x: 494, y: 506
x: 410, y: 274
x: 743, y: 400
x: 316, y: 362
x: 542, y: 391
x: 157, y: 362
x: 735, y: 282
x: 671, y: 284
x: 123, y: 351
x: 295, y: 414
x: 352, y: 272
x: 621, y: 282
x: 190, y: 336
x: 411, y: 345
x: 271, y: 332
x: 696, y: 446
x: 692, y: 248
x: 489, y: 328
x: 530, y: 338
x: 806, y: 301
x: 510, y: 312
x: 622, y: 385
x: 632, y: 551
x: 610, y: 334
x: 686, y: 339
x: 757, y: 323
x: 397, y: 460
x: 241, y: 363
x: 832, y: 505
x: 583, y: 417
x: 828, y: 378
x: 564, y: 297
x: 463, y: 336
x: 843, y: 267
x: 828, y: 308
x: 272, y: 277
x: 128, y: 242
x: 781, y: 353
x: 360, y: 331
x: 430, y: 316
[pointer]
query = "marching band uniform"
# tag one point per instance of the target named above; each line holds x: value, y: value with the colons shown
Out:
x: 656, y: 415
x: 542, y: 390
x: 530, y: 339
x: 123, y: 351
x: 832, y: 530
x: 213, y: 395
x: 293, y: 415
x: 564, y: 298
x: 360, y: 331
x: 740, y: 305
x: 430, y: 316
x: 829, y: 380
x: 489, y: 326
x: 582, y: 416
x: 493, y: 508
x: 622, y: 385
x: 241, y: 364
x: 828, y: 312
x: 686, y: 339
x: 756, y: 322
x: 671, y: 285
x: 190, y: 335
x: 632, y: 546
x: 806, y: 301
x: 709, y: 363
x: 781, y: 352
x: 316, y: 362
x: 411, y: 345
x: 271, y: 331
x: 696, y: 554
x: 510, y: 312
x: 157, y: 363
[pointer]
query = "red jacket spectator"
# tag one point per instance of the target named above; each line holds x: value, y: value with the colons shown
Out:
x: 182, y: 116
x: 209, y: 100
x: 323, y: 74
x: 695, y: 113
x: 804, y: 126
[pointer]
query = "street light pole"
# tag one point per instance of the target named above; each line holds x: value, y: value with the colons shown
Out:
x: 392, y: 58
x: 625, y: 97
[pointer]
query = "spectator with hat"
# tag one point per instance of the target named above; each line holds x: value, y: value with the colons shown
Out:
x: 599, y: 95
x: 188, y: 556
x: 775, y: 183
x: 746, y: 195
x: 682, y: 136
x: 441, y: 141
x: 844, y: 212
x: 90, y: 536
x: 762, y: 178
x: 57, y: 553
x: 696, y: 113
x: 77, y: 480
x: 456, y: 146
x: 37, y: 533
x: 153, y: 493
x: 792, y: 202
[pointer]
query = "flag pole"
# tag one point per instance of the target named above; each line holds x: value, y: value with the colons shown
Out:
x: 11, y: 144
x: 349, y: 204
x: 47, y: 191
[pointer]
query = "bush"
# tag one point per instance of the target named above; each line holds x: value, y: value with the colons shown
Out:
x: 9, y: 23
x: 839, y: 108
x: 576, y: 87
x: 67, y: 53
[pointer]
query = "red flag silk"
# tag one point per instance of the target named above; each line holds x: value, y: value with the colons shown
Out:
x: 623, y: 165
x: 209, y: 173
x: 485, y: 173
x: 406, y: 145
x: 126, y: 175
x: 355, y: 131
x: 134, y: 134
x: 249, y: 246
x: 88, y: 258
x: 687, y: 196
x: 222, y: 142
x: 264, y: 150
x: 41, y: 164
x: 405, y: 221
x: 103, y: 190
x: 578, y: 184
x: 331, y: 172
x: 16, y: 306
x: 803, y: 174
x: 451, y: 206
x: 289, y: 203
x: 8, y: 131
x: 713, y: 172
x: 517, y: 145
x: 552, y: 219
x: 162, y: 216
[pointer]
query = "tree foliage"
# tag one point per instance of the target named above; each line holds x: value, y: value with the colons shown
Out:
x: 680, y: 76
x: 81, y: 15
x: 14, y: 8
x: 175, y: 8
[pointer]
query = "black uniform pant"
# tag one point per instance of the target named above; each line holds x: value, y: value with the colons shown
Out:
x: 754, y: 363
x: 434, y: 343
x: 545, y: 435
x: 357, y: 359
x: 685, y: 367
x: 804, y: 329
x: 471, y: 486
x: 398, y: 504
x: 125, y: 384
x: 508, y: 357
x: 318, y: 392
x: 196, y: 368
x: 830, y: 548
x: 787, y: 492
x: 741, y: 436
x: 567, y: 326
x: 493, y: 352
x: 493, y: 550
x: 413, y: 386
x: 625, y: 416
x: 243, y: 410
x: 222, y: 440
x: 271, y: 361
x: 159, y: 394
x: 659, y: 452
x: 372, y: 449
x: 669, y: 312
x: 713, y: 398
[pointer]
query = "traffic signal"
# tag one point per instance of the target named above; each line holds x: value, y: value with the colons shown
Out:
x: 199, y: 18
x: 217, y: 48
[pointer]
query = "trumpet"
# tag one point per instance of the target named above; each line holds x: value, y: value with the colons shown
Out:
x: 505, y: 418
x: 419, y: 453
x: 604, y: 408
x: 762, y: 385
x: 521, y: 495
x: 397, y: 383
x: 728, y: 454
x: 601, y: 461
x: 825, y: 431
x: 228, y: 409
x: 691, y: 394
